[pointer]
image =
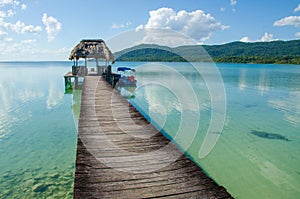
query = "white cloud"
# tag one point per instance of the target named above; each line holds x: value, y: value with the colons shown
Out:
x: 245, y: 39
x: 10, y: 10
x: 233, y: 2
x: 118, y: 26
x: 265, y: 38
x: 9, y: 2
x: 222, y: 9
x: 140, y: 27
x: 23, y: 7
x: 5, y: 2
x: 297, y: 34
x: 165, y: 37
x: 288, y: 21
x: 8, y: 13
x: 297, y: 9
x: 196, y: 24
x: 20, y: 27
x: 13, y: 3
x: 53, y: 26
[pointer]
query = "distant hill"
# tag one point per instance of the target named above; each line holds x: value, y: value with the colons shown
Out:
x: 285, y: 52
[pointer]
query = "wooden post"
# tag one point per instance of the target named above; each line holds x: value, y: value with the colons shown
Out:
x: 85, y: 68
x: 97, y: 62
x: 76, y: 82
x: 66, y: 82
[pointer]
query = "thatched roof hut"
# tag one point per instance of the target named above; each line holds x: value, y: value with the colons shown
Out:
x: 88, y: 48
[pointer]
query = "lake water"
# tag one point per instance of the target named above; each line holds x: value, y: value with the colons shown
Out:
x: 37, y: 131
x: 256, y: 154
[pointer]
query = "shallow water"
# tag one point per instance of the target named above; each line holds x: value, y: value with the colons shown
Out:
x: 37, y: 131
x: 257, y: 153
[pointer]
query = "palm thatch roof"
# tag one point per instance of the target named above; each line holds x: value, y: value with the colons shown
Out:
x: 88, y: 48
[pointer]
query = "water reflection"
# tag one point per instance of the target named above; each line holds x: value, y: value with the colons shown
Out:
x: 289, y: 105
x: 13, y: 96
x: 37, y: 136
x: 260, y: 77
x: 55, y: 96
x: 22, y: 86
x: 168, y: 83
x: 242, y: 79
x: 173, y: 98
x: 264, y: 82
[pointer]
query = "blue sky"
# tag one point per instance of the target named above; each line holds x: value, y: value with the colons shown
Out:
x: 49, y: 29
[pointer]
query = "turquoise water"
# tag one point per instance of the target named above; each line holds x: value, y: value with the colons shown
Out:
x: 37, y: 131
x: 257, y: 154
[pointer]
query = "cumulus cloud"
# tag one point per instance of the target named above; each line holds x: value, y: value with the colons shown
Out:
x: 233, y: 2
x: 53, y: 26
x: 245, y: 39
x: 164, y: 37
x: 196, y: 24
x: 297, y: 9
x: 23, y: 7
x: 11, y: 10
x: 8, y: 13
x: 288, y: 21
x: 265, y: 38
x: 8, y: 2
x: 13, y: 3
x: 20, y: 27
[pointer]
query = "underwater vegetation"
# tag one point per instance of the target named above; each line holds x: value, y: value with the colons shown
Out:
x: 266, y: 135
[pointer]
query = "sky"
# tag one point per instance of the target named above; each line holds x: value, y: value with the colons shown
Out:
x: 47, y: 30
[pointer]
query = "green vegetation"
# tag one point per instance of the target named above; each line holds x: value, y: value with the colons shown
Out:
x: 279, y: 52
x: 150, y: 54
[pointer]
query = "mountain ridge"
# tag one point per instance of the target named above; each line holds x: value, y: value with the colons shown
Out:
x: 280, y: 52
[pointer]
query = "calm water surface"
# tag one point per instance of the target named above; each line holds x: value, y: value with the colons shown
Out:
x: 257, y: 155
x: 37, y: 131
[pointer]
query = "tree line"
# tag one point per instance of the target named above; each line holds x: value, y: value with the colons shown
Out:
x: 275, y: 52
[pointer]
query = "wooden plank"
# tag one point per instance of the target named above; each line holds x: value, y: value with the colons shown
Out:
x: 121, y: 155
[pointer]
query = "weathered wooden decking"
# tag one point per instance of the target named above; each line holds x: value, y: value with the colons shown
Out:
x: 121, y: 155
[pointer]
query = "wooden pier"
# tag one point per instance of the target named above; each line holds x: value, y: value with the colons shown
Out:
x: 121, y: 155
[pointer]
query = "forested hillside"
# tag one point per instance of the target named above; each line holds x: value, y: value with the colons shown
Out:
x: 287, y: 52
